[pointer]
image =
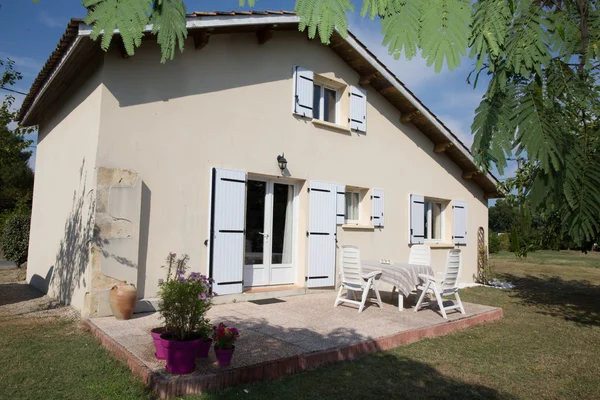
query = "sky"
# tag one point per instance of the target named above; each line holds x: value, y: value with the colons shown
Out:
x: 30, y: 31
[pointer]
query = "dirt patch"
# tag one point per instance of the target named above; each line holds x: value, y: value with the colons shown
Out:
x: 13, y: 275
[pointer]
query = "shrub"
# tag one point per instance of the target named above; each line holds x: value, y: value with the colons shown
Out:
x: 494, y: 245
x: 15, y: 238
x: 504, y: 239
x: 185, y: 301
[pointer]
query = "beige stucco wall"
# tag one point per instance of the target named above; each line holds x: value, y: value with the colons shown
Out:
x: 63, y: 204
x: 229, y: 106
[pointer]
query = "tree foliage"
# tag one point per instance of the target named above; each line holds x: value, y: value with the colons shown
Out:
x: 15, y: 238
x: 16, y: 178
x: 541, y: 57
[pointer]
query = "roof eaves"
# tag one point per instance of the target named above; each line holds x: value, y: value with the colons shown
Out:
x: 393, y: 79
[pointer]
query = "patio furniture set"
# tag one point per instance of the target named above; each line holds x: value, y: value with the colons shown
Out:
x: 361, y: 276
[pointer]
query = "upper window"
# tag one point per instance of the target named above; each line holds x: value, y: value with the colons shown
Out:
x: 434, y: 213
x: 325, y: 104
x: 352, y: 214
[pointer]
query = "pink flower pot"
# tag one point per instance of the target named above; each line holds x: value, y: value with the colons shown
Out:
x: 180, y: 355
x: 156, y: 332
x: 204, y: 348
x: 224, y: 356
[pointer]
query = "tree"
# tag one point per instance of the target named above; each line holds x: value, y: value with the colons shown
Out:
x: 541, y: 57
x: 501, y: 216
x: 16, y: 177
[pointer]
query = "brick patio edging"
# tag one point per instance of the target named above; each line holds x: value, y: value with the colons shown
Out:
x: 171, y: 386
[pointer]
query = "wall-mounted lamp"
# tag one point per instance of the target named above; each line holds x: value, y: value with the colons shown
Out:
x: 282, y: 162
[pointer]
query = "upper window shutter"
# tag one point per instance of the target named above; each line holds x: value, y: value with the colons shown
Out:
x: 460, y: 222
x: 303, y: 92
x: 340, y: 204
x: 378, y: 207
x: 417, y: 219
x: 358, y: 109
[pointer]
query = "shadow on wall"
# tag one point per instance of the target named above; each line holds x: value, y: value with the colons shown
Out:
x: 143, y: 244
x: 575, y: 301
x: 73, y: 254
x: 381, y: 374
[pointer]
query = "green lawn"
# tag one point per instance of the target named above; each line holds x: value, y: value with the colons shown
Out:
x: 546, y: 346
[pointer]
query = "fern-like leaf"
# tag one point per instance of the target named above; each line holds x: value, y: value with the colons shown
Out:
x: 494, y: 134
x: 168, y: 23
x: 324, y: 16
x: 491, y: 21
x: 128, y: 16
x: 527, y: 47
x: 582, y: 192
x: 538, y: 131
x: 444, y: 32
x: 376, y: 8
x: 401, y: 29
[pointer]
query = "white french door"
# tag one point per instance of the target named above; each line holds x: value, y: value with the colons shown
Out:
x: 269, y: 233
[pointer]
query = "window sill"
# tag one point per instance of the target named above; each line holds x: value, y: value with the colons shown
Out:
x: 330, y: 125
x: 440, y: 245
x: 358, y: 227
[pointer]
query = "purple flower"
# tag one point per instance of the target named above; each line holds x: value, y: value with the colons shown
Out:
x: 181, y: 279
x: 202, y: 297
x: 180, y: 272
x: 195, y: 275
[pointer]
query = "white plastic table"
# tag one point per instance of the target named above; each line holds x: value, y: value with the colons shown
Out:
x: 403, y: 276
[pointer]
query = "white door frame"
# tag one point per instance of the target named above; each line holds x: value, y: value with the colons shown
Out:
x: 268, y: 229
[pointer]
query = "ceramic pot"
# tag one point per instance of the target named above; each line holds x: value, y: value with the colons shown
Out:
x: 224, y: 356
x: 180, y: 355
x: 160, y: 351
x: 204, y: 348
x: 123, y: 298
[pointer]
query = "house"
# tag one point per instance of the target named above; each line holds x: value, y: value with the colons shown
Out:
x: 136, y: 159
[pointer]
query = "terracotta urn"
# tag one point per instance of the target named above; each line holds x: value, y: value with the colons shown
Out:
x: 123, y: 298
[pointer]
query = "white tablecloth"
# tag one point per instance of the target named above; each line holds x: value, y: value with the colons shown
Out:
x: 404, y: 276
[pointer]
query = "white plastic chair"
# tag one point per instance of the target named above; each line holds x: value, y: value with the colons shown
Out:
x: 354, y: 281
x: 420, y: 254
x: 444, y: 287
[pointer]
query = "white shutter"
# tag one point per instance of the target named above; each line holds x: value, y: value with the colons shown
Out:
x: 417, y: 219
x: 228, y: 224
x: 378, y: 201
x: 321, y: 234
x: 303, y: 92
x: 340, y: 203
x: 460, y: 222
x: 358, y: 109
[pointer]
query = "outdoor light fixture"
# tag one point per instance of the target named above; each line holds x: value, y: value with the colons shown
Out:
x: 282, y: 162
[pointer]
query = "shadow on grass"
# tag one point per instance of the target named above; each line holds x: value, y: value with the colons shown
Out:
x: 573, y: 300
x: 11, y: 293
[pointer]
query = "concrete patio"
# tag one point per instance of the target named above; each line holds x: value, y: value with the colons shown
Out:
x: 281, y: 338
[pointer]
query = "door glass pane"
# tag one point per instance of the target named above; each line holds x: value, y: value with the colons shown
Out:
x: 317, y: 102
x: 436, y: 223
x: 255, y: 222
x: 283, y: 197
x: 329, y: 105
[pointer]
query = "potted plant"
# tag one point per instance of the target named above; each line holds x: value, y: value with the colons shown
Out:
x: 224, y: 338
x: 183, y: 303
x: 204, y: 331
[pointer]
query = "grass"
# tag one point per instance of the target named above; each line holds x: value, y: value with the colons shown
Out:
x: 545, y: 347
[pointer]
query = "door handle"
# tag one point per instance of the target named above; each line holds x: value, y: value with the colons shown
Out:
x: 264, y: 234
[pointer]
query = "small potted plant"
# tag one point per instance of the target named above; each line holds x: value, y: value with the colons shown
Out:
x: 183, y: 303
x: 204, y: 332
x: 224, y: 338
